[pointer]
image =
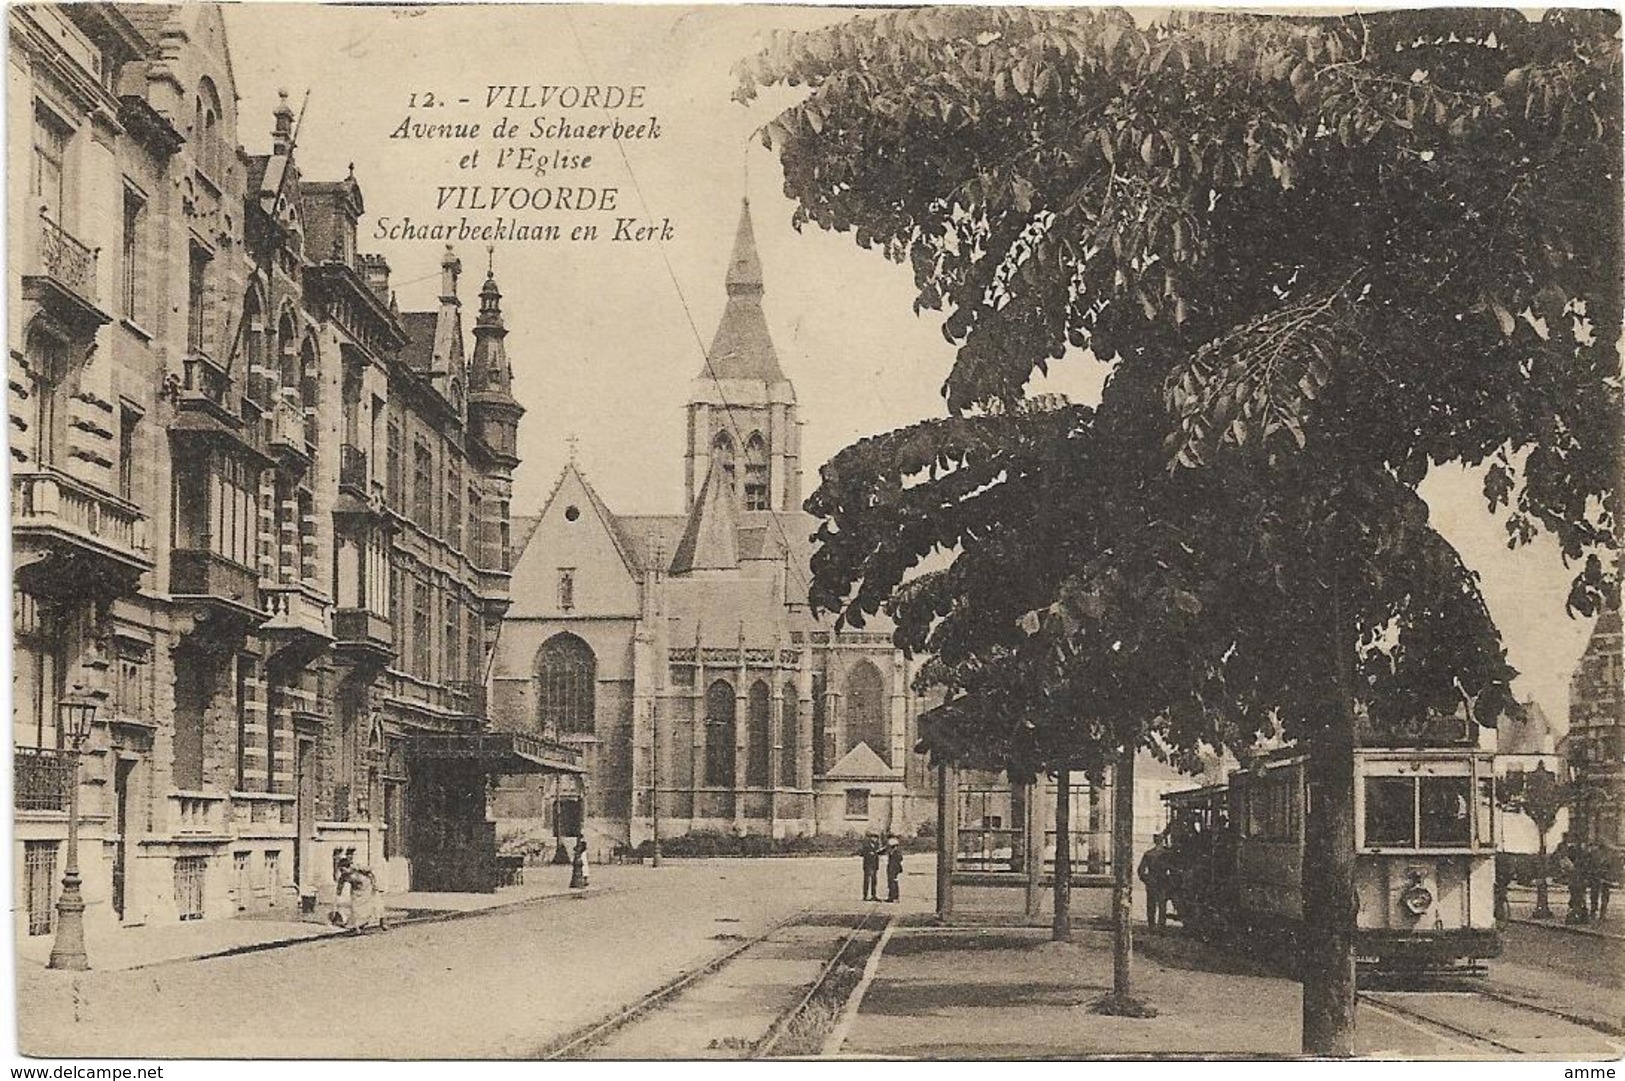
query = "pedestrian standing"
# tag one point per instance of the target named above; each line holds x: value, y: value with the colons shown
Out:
x: 894, y: 868
x: 1572, y: 863
x: 578, y: 866
x: 870, y: 852
x: 1153, y: 874
x: 1599, y: 871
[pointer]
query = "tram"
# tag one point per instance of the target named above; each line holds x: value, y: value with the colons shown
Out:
x: 1424, y: 856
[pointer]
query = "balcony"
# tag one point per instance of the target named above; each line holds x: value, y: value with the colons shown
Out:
x: 72, y: 539
x: 206, y: 383
x: 200, y: 575
x: 353, y: 469
x: 42, y: 779
x: 299, y: 619
x: 285, y: 432
x: 62, y: 276
x: 363, y: 638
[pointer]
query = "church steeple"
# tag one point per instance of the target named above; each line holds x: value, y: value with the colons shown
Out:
x: 743, y: 348
x: 493, y: 412
x: 742, y: 410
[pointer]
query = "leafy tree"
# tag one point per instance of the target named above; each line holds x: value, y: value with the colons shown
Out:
x: 1540, y: 794
x: 1321, y: 255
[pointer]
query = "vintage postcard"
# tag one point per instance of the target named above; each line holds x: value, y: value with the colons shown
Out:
x: 775, y: 532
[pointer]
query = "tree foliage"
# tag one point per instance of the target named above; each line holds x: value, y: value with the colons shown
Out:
x: 1321, y: 256
x: 1538, y: 793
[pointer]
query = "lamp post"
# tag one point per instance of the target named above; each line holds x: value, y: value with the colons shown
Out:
x: 68, y: 948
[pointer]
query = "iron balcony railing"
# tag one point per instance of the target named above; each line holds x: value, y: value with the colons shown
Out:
x: 65, y: 259
x: 42, y: 779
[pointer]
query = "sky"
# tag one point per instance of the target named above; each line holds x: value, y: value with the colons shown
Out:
x: 607, y: 337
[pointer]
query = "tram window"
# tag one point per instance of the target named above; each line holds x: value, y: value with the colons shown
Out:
x: 1447, y: 811
x: 1486, y: 813
x: 1390, y: 812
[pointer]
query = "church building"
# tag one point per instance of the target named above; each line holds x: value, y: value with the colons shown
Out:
x: 677, y: 651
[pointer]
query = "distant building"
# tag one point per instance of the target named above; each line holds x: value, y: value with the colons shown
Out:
x: 1596, y: 737
x: 678, y: 652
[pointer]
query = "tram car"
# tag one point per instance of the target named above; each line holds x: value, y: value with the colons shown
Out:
x: 1424, y: 857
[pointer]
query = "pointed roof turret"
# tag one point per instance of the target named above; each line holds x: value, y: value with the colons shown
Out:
x: 490, y: 371
x: 743, y: 349
x: 711, y: 540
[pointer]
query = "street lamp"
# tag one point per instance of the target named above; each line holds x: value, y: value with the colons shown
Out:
x: 68, y: 949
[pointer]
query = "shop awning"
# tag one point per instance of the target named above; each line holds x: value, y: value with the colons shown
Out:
x: 497, y: 752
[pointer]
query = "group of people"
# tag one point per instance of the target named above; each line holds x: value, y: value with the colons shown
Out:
x: 1590, y: 868
x: 871, y: 851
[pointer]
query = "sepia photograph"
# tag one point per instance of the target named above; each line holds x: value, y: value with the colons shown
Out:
x: 861, y: 534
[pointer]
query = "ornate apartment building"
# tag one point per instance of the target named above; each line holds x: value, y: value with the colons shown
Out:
x: 256, y: 510
x: 1596, y: 738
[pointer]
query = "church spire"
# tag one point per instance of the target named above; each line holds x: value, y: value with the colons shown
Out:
x: 742, y: 348
x: 745, y: 268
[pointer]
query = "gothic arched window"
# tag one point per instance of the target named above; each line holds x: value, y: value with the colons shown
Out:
x: 210, y: 153
x: 309, y: 386
x: 566, y: 678
x: 719, y: 735
x: 759, y: 746
x: 722, y: 449
x: 866, y: 710
x: 789, y: 749
x: 287, y: 352
x: 756, y: 489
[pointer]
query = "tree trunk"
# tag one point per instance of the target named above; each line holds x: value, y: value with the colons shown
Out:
x: 947, y: 839
x: 1061, y: 930
x: 1123, y: 875
x: 1328, y: 866
x: 1543, y: 907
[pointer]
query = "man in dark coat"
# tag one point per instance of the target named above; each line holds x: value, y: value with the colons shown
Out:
x: 1156, y: 873
x: 870, y: 851
x: 894, y: 868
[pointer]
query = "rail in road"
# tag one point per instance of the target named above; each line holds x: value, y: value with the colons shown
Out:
x: 1483, y: 1025
x: 728, y: 994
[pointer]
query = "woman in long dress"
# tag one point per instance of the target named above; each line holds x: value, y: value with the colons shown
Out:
x: 360, y: 904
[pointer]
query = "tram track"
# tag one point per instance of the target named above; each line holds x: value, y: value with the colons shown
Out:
x: 1462, y: 1037
x: 612, y: 1034
x: 576, y: 1043
x: 769, y: 1043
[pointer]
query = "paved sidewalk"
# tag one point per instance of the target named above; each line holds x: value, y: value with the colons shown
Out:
x: 1522, y: 903
x: 113, y: 949
x: 1009, y: 993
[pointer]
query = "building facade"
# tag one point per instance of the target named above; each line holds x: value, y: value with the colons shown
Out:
x: 1596, y: 738
x: 678, y: 652
x: 205, y: 376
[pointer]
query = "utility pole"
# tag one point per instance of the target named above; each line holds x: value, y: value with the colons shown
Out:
x: 654, y: 782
